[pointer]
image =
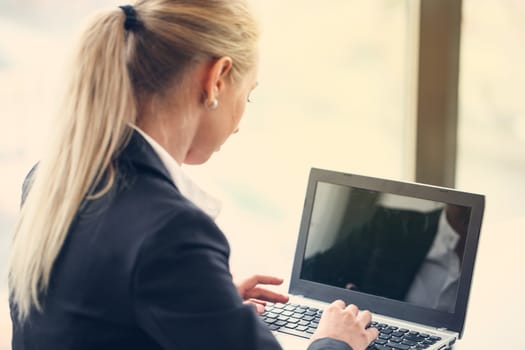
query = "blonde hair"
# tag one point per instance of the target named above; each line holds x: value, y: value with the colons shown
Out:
x: 114, y: 70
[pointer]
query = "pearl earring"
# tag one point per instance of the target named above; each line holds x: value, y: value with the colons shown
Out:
x: 213, y: 104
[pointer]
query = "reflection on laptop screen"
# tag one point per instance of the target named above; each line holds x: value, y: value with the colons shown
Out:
x: 388, y: 245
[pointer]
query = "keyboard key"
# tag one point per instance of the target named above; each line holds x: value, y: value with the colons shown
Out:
x: 381, y: 347
x: 408, y: 342
x: 270, y: 320
x: 415, y: 338
x: 434, y: 338
x: 273, y: 327
x: 398, y: 346
x: 290, y: 325
x: 294, y: 332
x: 310, y: 330
x: 280, y: 323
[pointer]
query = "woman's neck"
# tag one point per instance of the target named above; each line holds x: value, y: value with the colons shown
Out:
x: 173, y: 128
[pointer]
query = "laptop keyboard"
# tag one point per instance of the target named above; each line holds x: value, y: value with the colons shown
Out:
x: 292, y: 319
x: 395, y: 338
x: 303, y: 320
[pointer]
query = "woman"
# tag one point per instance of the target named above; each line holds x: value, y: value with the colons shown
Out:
x: 115, y: 248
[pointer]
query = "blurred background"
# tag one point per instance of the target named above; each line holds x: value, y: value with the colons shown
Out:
x: 339, y: 88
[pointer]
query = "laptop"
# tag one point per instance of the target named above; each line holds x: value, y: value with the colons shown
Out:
x: 404, y: 251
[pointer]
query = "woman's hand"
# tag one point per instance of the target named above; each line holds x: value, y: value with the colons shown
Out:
x: 251, y: 292
x: 346, y: 323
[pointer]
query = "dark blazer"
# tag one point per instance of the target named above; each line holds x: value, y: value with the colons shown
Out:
x: 143, y: 268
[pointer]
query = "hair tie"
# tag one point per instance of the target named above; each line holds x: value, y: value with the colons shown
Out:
x: 132, y: 22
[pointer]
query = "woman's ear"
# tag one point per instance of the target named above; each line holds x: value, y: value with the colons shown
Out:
x: 216, y: 78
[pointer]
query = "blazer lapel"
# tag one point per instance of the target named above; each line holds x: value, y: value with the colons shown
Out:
x: 139, y: 152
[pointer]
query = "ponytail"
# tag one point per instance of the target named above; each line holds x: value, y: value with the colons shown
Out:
x: 91, y: 128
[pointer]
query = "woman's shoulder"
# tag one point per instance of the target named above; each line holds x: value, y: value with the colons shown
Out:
x: 144, y: 199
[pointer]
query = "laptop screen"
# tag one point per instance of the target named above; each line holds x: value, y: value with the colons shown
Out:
x: 388, y: 245
x: 399, y: 249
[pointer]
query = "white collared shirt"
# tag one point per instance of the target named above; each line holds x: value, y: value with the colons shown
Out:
x: 435, y: 285
x: 186, y: 186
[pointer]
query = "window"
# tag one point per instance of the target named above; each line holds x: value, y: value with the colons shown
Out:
x: 491, y: 157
